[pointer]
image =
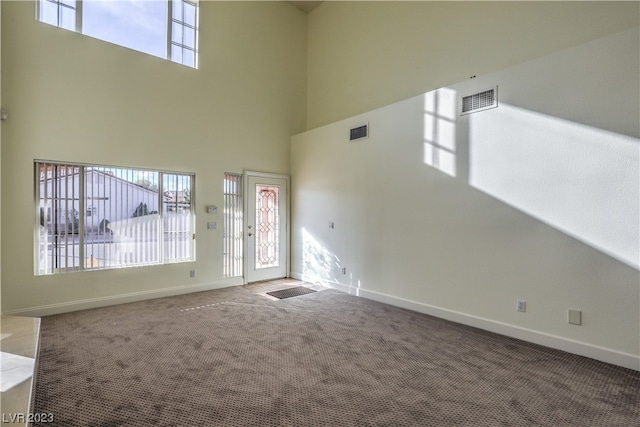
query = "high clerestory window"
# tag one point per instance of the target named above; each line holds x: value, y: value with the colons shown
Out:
x: 164, y: 28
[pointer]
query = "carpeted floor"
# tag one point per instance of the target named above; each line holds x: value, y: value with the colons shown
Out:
x: 233, y: 358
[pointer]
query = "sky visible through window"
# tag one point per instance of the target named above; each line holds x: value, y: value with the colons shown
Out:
x: 139, y: 25
x: 142, y: 25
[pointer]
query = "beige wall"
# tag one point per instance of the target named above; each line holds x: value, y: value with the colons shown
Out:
x: 540, y: 202
x: 364, y: 55
x: 74, y: 98
x: 0, y: 163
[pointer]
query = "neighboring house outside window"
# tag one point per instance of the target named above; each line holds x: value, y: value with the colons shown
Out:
x: 131, y: 217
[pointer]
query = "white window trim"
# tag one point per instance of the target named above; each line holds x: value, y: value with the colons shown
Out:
x: 38, y: 271
x: 170, y: 22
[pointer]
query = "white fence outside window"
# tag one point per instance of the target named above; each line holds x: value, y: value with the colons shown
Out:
x: 97, y: 217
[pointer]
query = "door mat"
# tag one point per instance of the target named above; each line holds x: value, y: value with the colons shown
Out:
x: 290, y: 292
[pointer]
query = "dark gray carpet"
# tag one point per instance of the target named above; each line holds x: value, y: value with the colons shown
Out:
x: 232, y: 358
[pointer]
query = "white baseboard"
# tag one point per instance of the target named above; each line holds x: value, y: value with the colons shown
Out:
x: 66, y: 307
x: 299, y: 276
x: 603, y: 354
x: 626, y: 360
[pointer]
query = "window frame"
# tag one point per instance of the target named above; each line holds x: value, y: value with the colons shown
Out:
x: 233, y: 225
x: 183, y: 22
x: 80, y: 232
x: 171, y: 23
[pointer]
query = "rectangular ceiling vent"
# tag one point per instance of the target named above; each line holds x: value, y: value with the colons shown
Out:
x: 479, y: 101
x: 359, y: 132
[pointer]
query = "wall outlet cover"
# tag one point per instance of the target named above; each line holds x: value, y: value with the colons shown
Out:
x: 575, y: 317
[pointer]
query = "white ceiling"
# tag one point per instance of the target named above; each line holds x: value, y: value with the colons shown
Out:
x: 306, y: 6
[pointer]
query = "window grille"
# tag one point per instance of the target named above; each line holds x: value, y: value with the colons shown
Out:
x: 93, y: 217
x: 233, y: 225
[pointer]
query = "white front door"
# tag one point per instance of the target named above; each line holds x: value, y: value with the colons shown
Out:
x: 266, y: 232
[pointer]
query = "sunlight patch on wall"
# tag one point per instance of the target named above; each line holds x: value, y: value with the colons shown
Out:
x: 318, y: 263
x: 440, y: 130
x: 581, y: 180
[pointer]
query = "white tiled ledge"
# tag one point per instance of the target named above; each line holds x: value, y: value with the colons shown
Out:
x: 18, y: 347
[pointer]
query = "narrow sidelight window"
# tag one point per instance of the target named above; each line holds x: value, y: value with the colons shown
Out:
x: 233, y: 224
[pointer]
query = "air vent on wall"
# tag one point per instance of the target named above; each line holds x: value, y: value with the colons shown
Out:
x: 359, y: 132
x: 479, y: 101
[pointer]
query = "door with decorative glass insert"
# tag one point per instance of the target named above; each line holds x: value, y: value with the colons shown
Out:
x: 266, y: 227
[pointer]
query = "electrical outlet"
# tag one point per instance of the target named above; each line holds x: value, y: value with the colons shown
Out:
x: 192, y: 273
x: 521, y: 305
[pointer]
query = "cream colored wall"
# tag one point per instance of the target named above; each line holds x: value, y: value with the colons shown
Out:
x: 74, y: 98
x: 364, y: 55
x: 0, y: 162
x: 542, y: 204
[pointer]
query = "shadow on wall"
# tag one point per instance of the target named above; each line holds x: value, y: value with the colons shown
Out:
x: 578, y: 179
